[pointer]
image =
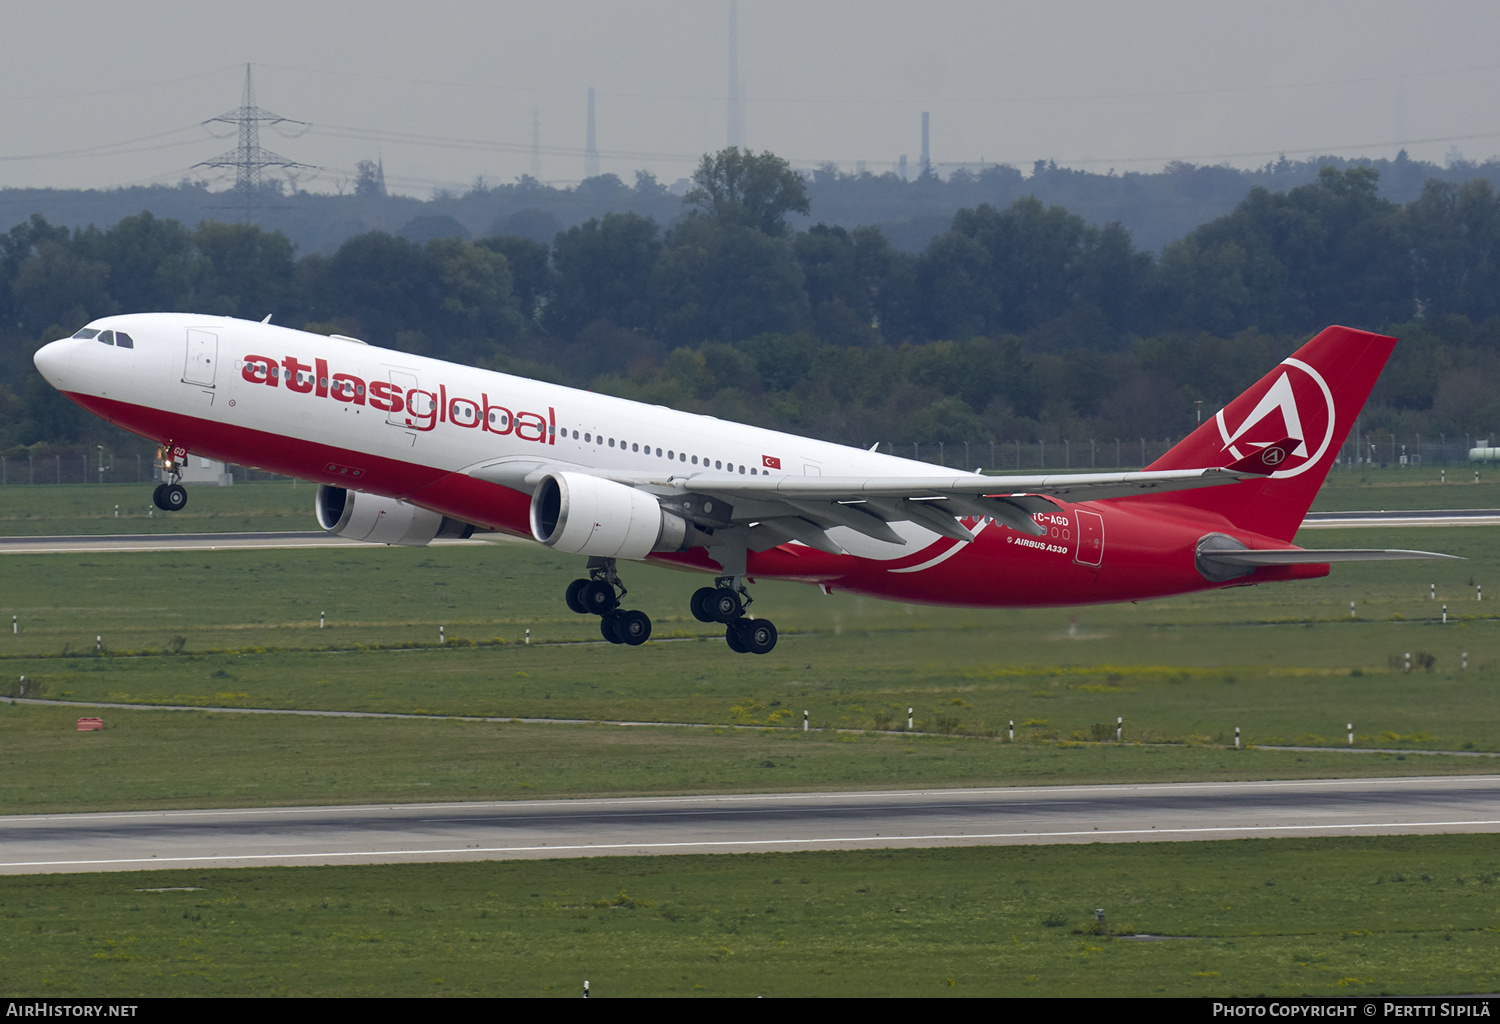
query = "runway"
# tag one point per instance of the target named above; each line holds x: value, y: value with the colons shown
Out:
x: 409, y: 833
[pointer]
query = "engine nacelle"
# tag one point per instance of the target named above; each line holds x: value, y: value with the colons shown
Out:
x: 379, y: 520
x: 588, y: 515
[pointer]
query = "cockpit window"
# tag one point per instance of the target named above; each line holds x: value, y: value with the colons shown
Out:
x: 123, y: 340
x: 87, y: 332
x: 106, y: 338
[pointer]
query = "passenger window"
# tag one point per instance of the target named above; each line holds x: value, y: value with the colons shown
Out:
x: 123, y: 340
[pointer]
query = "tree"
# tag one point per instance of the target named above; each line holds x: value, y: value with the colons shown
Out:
x: 738, y: 187
x: 603, y: 273
x: 725, y: 282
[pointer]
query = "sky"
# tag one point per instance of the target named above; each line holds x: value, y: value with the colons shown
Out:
x: 97, y: 94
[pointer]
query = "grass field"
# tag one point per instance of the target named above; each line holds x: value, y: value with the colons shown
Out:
x: 1285, y: 663
x: 1334, y: 917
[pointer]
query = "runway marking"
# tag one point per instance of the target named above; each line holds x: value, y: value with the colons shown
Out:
x: 1054, y: 792
x: 712, y: 844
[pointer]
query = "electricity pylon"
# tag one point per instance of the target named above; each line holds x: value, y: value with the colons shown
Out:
x: 248, y: 158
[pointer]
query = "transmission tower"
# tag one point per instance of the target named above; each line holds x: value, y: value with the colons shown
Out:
x: 248, y: 159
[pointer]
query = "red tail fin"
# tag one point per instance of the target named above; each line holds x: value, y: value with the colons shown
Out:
x: 1312, y: 398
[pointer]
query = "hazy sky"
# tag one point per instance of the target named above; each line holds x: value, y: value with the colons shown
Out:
x: 1095, y: 85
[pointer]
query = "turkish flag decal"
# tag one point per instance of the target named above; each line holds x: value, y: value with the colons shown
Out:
x: 770, y: 462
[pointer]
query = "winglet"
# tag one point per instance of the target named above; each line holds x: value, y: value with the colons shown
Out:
x: 1267, y: 460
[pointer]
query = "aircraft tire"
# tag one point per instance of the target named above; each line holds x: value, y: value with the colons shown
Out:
x: 634, y: 627
x: 599, y: 597
x: 702, y: 604
x: 574, y: 597
x: 725, y: 606
x: 157, y: 499
x: 734, y: 638
x: 758, y: 635
x: 173, y: 497
x: 609, y: 628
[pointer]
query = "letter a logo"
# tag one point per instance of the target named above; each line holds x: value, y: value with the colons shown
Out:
x: 1298, y: 404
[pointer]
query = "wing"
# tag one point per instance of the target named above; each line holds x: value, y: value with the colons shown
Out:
x: 780, y: 508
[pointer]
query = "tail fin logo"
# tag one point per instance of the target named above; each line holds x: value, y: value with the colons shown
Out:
x: 1298, y: 405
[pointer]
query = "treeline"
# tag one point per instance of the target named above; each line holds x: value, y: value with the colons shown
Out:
x: 1016, y: 323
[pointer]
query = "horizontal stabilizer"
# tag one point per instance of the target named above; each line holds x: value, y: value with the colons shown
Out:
x: 1299, y: 556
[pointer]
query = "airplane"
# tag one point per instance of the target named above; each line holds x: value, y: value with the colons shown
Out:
x: 406, y: 449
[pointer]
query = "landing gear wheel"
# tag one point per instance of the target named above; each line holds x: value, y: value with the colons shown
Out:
x: 734, y: 637
x: 702, y: 603
x: 598, y: 597
x: 172, y: 498
x: 157, y: 499
x: 575, y: 597
x: 609, y: 628
x: 633, y: 627
x: 725, y: 606
x: 758, y: 635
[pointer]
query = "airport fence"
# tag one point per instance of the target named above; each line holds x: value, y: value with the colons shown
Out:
x: 993, y: 456
x: 92, y: 469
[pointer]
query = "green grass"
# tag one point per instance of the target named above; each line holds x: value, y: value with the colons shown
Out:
x: 1281, y: 662
x: 45, y: 510
x: 160, y: 760
x: 1323, y: 917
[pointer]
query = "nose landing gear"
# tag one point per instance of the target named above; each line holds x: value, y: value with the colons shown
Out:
x: 598, y: 595
x: 170, y: 496
x: 726, y: 602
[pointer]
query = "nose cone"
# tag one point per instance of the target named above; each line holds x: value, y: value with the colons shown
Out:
x: 52, y: 360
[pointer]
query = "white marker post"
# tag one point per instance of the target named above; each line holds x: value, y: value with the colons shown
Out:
x: 1351, y: 609
x: 1012, y: 730
x: 1350, y: 727
x: 1432, y: 591
x: 1445, y: 615
x: 1236, y: 737
x: 1466, y: 660
x: 1408, y: 661
x: 1119, y: 728
x: 528, y: 635
x: 804, y: 719
x: 98, y: 643
x: 321, y: 616
x: 909, y: 713
x: 15, y: 625
x: 441, y: 640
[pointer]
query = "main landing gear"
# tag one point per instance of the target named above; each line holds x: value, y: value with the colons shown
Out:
x: 726, y: 602
x: 170, y: 496
x: 600, y: 595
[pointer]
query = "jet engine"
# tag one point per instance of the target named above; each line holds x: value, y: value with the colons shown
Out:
x: 380, y: 520
x: 588, y: 515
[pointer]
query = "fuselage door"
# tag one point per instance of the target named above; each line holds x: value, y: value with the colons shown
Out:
x: 202, y: 357
x: 1090, y: 549
x: 404, y: 384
